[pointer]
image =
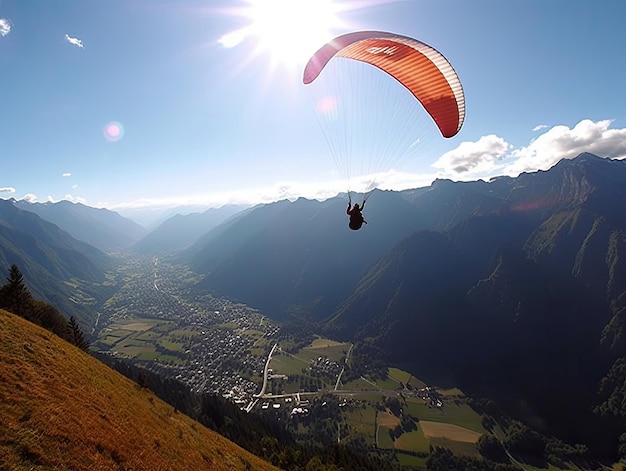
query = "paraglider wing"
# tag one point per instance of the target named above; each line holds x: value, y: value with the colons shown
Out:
x: 424, y: 71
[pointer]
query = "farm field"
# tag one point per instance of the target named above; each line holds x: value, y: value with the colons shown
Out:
x: 287, y: 364
x: 413, y: 441
x: 458, y: 414
x: 411, y: 461
x: 449, y: 431
x: 362, y: 422
x: 146, y: 339
x: 458, y: 448
x: 334, y: 351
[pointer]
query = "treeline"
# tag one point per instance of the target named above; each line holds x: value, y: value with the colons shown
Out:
x: 263, y: 436
x: 15, y: 297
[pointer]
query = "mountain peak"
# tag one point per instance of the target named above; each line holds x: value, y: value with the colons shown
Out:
x: 586, y: 158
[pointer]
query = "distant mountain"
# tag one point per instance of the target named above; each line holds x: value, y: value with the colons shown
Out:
x: 57, y: 268
x: 62, y: 409
x: 181, y: 231
x: 104, y: 229
x: 289, y: 258
x: 152, y: 217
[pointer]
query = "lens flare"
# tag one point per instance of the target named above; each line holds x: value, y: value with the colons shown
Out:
x: 113, y: 131
x: 326, y: 105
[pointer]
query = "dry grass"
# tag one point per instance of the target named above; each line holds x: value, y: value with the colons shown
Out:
x: 449, y: 431
x: 387, y: 419
x: 61, y: 409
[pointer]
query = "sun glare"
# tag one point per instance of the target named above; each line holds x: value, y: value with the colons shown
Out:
x: 290, y: 31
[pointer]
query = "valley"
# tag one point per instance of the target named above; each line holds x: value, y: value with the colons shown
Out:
x: 217, y: 346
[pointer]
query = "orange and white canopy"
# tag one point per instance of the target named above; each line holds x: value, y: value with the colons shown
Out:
x: 423, y: 70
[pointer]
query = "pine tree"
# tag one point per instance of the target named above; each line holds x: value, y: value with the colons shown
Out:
x: 76, y: 335
x: 15, y: 296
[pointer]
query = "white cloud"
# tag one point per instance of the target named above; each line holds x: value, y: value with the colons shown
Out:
x: 7, y: 189
x: 5, y: 26
x: 561, y: 142
x: 482, y: 156
x: 30, y: 198
x: 492, y: 155
x: 74, y: 199
x: 74, y: 41
x: 539, y: 127
x: 67, y: 174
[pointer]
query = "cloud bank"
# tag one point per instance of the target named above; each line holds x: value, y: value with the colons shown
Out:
x: 492, y: 155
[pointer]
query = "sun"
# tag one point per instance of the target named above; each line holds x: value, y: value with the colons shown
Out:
x: 289, y: 31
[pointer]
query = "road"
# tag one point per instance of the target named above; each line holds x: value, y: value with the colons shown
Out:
x: 345, y: 362
x: 267, y: 365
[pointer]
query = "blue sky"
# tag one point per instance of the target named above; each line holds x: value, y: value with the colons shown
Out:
x: 128, y: 103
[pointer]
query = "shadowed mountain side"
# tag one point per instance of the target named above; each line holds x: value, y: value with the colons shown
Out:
x: 51, y: 260
x: 181, y: 231
x: 62, y: 409
x: 446, y: 203
x: 396, y: 295
x: 104, y: 229
x: 287, y: 257
x: 300, y: 257
x: 519, y: 332
x: 426, y: 261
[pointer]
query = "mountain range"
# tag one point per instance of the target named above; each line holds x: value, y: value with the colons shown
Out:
x: 59, y: 269
x: 104, y: 229
x: 513, y: 289
x: 182, y: 230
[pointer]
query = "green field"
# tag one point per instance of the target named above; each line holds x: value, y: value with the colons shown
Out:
x: 358, y: 385
x: 461, y: 415
x: 362, y: 422
x: 458, y: 448
x: 413, y: 441
x: 388, y: 384
x: 257, y: 351
x: 399, y: 375
x: 320, y: 342
x: 287, y: 365
x: 384, y: 439
x: 139, y: 338
x: 411, y: 461
x: 335, y: 352
x: 169, y: 345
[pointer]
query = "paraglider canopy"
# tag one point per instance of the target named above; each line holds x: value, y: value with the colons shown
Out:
x: 424, y: 71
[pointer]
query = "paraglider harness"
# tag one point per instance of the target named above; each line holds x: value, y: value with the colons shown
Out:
x: 356, y: 218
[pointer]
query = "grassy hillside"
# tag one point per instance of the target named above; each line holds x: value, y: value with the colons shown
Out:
x: 62, y: 409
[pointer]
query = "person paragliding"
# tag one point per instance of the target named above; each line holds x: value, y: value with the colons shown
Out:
x: 356, y: 216
x: 421, y: 69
